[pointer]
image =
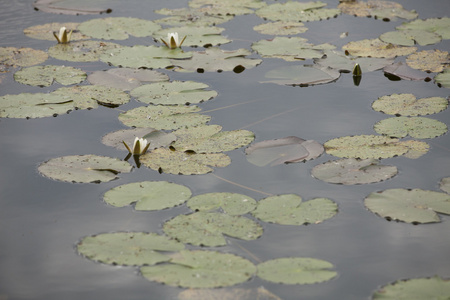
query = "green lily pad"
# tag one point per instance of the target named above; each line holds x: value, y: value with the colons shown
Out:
x: 82, y: 51
x: 281, y: 28
x: 416, y: 127
x: 179, y: 162
x: 173, y: 93
x: 208, y: 228
x: 410, y: 37
x: 386, y: 10
x: 242, y: 3
x: 84, y: 168
x: 118, y: 28
x: 21, y: 57
x: 429, y: 60
x: 439, y: 26
x: 445, y: 185
x: 190, y: 17
x: 290, y: 149
x: 163, y: 117
x: 297, y: 11
x: 415, y: 148
x: 200, y: 36
x: 156, y: 138
x: 343, y: 63
x: 418, y: 288
x: 350, y: 171
x: 201, y: 269
x: 296, y: 270
x: 45, y: 31
x: 443, y: 79
x: 231, y: 203
x: 302, y: 75
x: 376, y: 48
x: 69, y: 7
x: 403, y: 71
x: 128, y: 248
x: 214, y: 59
x: 144, y: 56
x: 126, y: 79
x: 409, y: 105
x: 46, y: 75
x: 289, y: 209
x: 148, y: 195
x: 410, y: 206
x: 37, y: 105
x: 229, y: 293
x: 210, y: 139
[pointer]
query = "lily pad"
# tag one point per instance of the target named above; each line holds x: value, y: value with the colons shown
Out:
x: 82, y: 51
x: 173, y: 93
x: 281, y: 28
x: 45, y: 31
x: 84, y: 168
x: 196, y: 36
x: 259, y: 293
x: 208, y: 228
x: 302, y: 75
x: 226, y: 7
x: 163, y: 117
x: 21, y: 57
x: 350, y: 171
x: 416, y: 127
x: 201, y: 269
x: 403, y: 71
x: 409, y: 105
x: 297, y: 11
x: 410, y: 37
x: 156, y: 138
x: 47, y: 75
x: 290, y: 149
x: 231, y: 203
x: 439, y: 26
x: 118, y: 28
x: 445, y: 185
x: 429, y: 60
x: 148, y: 195
x: 289, y: 209
x: 376, y: 48
x: 443, y: 79
x: 210, y: 139
x: 386, y: 10
x: 69, y: 7
x: 126, y: 79
x: 128, y: 248
x: 418, y: 288
x: 214, y: 59
x: 296, y: 270
x: 178, y: 162
x: 190, y: 17
x: 343, y: 63
x: 409, y: 205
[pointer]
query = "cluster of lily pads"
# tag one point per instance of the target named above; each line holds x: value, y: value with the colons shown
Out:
x: 171, y: 135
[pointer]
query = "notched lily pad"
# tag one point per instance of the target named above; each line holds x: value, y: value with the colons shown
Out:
x: 148, y: 195
x: 410, y: 206
x: 126, y: 79
x: 230, y: 293
x: 416, y: 127
x: 376, y: 48
x: 350, y: 171
x: 290, y: 149
x: 45, y: 31
x: 409, y: 105
x: 69, y: 7
x: 418, y: 288
x: 439, y: 26
x: 82, y: 51
x: 302, y: 75
x: 443, y: 79
x: 190, y: 17
x: 410, y: 37
x: 128, y: 248
x: 344, y: 63
x: 156, y: 138
x: 21, y: 57
x: 230, y: 203
x: 296, y: 270
x: 429, y: 60
x: 297, y: 11
x: 385, y: 10
x: 289, y: 209
x: 196, y: 36
x: 226, y: 7
x: 281, y: 28
x: 445, y: 185
x: 84, y: 168
x: 47, y: 75
x: 208, y: 228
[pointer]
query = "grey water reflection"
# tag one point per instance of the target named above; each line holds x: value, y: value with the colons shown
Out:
x: 41, y: 220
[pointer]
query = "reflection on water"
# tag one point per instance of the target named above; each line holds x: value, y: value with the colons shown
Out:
x: 42, y: 220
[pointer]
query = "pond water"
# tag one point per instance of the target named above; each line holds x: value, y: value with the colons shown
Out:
x: 42, y: 220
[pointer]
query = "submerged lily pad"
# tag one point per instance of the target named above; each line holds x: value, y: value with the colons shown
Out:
x: 201, y: 269
x: 118, y: 28
x: 297, y: 11
x: 200, y: 36
x: 289, y: 209
x: 408, y: 105
x: 410, y: 37
x: 126, y: 79
x: 386, y: 10
x: 410, y: 206
x: 290, y: 149
x: 439, y: 26
x: 163, y: 117
x: 231, y: 203
x: 281, y: 28
x: 21, y: 57
x: 128, y: 248
x: 178, y: 162
x: 173, y: 93
x: 443, y: 79
x: 156, y: 138
x: 402, y: 71
x: 69, y: 7
x: 416, y: 127
x: 429, y: 60
x: 45, y: 31
x: 353, y: 171
x: 376, y: 48
x: 84, y: 168
x: 226, y: 7
x: 210, y: 139
x: 445, y: 185
x: 47, y: 75
x: 82, y: 51
x: 302, y: 75
x: 418, y: 288
x: 190, y: 17
x: 148, y: 195
x: 296, y: 270
x: 343, y: 63
x: 208, y: 228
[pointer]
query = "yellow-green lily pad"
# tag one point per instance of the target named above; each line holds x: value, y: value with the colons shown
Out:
x: 409, y: 205
x: 281, y: 28
x: 196, y: 36
x: 445, y: 185
x: 417, y: 288
x: 190, y: 17
x: 439, y: 26
x: 47, y: 75
x: 429, y: 60
x: 45, y: 31
x: 82, y: 51
x: 156, y: 138
x: 128, y: 248
x: 409, y: 105
x: 379, y: 9
x: 21, y: 57
x: 230, y: 203
x: 126, y: 79
x: 84, y: 168
x: 410, y: 37
x: 297, y: 11
x: 376, y: 48
x: 416, y: 127
x: 443, y: 79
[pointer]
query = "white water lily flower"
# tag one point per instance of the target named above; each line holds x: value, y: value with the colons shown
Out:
x: 140, y: 146
x: 173, y: 40
x: 64, y: 35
